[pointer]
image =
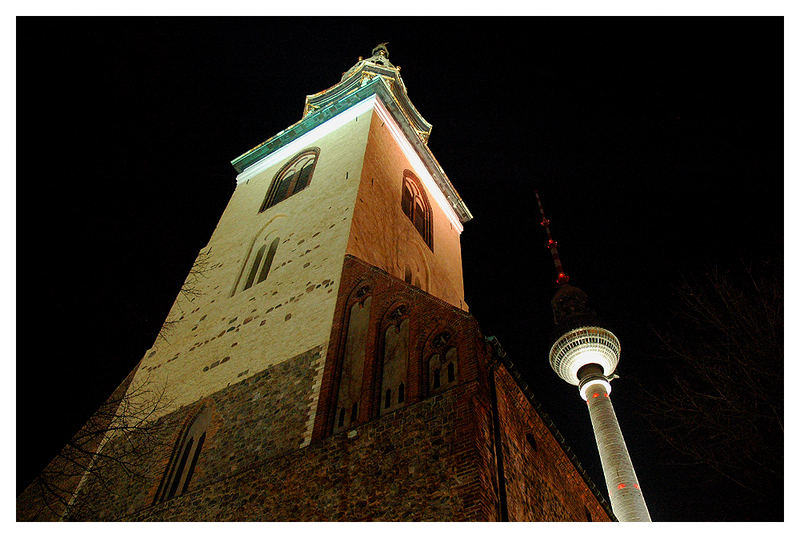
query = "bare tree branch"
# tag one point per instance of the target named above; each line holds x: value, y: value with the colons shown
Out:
x: 190, y: 290
x: 724, y: 407
x: 119, y: 440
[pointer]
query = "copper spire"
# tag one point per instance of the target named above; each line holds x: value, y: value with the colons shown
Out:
x: 552, y: 245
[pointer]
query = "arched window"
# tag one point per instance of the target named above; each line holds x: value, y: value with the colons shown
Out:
x: 442, y: 373
x: 395, y: 361
x: 181, y: 467
x: 414, y: 203
x: 254, y: 267
x: 353, y: 357
x: 257, y: 263
x: 292, y: 178
x: 265, y: 267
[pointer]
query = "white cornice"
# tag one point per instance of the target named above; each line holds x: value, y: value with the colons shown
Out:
x: 342, y: 119
x: 307, y: 139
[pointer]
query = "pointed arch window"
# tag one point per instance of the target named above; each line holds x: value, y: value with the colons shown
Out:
x: 442, y: 372
x: 414, y: 203
x: 292, y: 178
x: 181, y: 467
x: 354, y: 354
x: 395, y: 361
x: 258, y: 263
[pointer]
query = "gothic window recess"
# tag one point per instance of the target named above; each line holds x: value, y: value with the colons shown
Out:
x: 292, y: 178
x: 415, y: 205
x: 394, y: 381
x: 443, y: 370
x: 181, y: 467
x: 352, y: 372
x: 258, y: 263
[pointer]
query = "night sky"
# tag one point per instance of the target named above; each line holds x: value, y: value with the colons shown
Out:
x: 656, y: 144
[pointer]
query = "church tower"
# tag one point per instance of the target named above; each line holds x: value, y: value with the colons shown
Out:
x: 325, y: 365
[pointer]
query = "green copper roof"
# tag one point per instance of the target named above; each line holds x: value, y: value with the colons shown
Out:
x: 362, y: 81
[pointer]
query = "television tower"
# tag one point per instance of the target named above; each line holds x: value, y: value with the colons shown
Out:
x: 585, y: 354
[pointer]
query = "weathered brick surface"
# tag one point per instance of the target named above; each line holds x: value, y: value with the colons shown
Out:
x: 428, y: 317
x: 255, y: 420
x: 542, y: 484
x: 399, y: 468
x: 433, y: 460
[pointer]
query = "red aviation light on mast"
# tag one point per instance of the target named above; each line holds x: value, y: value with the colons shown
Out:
x: 552, y: 245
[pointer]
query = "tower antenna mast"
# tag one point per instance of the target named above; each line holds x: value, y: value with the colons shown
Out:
x: 552, y: 245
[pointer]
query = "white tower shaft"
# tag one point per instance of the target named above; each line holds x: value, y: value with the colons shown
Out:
x: 627, y: 500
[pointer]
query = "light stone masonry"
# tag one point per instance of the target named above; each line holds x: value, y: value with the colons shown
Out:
x: 220, y: 339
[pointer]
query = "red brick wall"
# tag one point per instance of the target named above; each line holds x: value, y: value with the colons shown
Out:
x: 403, y: 467
x: 542, y: 484
x: 428, y: 317
x: 433, y: 459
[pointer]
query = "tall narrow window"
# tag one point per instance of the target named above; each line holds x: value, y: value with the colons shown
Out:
x: 451, y: 362
x: 254, y: 267
x: 414, y: 203
x: 180, y: 470
x: 194, y: 462
x: 292, y: 178
x: 408, y: 198
x: 443, y: 372
x: 258, y: 264
x: 268, y: 260
x: 395, y: 360
x: 181, y: 467
x: 352, y: 367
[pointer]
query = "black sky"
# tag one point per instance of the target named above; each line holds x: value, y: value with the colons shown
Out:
x: 656, y: 143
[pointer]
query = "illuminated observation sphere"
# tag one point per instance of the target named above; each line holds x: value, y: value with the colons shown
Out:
x: 582, y: 346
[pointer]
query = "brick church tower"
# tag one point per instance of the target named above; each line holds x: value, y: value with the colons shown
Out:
x: 326, y: 366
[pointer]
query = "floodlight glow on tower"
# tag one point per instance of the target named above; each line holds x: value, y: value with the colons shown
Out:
x: 585, y: 354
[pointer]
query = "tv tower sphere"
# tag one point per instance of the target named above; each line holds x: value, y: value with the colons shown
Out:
x: 581, y: 347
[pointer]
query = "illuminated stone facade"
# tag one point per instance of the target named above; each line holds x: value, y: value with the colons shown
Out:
x: 326, y: 366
